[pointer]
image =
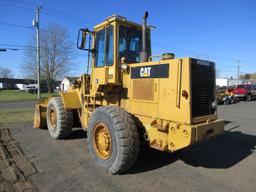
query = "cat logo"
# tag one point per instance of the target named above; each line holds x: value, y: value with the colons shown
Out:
x: 145, y: 71
x: 150, y: 71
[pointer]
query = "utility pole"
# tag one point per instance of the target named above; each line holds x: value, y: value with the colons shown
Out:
x: 36, y: 24
x: 238, y: 71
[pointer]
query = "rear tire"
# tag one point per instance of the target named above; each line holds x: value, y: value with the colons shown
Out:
x: 248, y: 98
x: 118, y: 151
x: 59, y: 120
x: 226, y: 102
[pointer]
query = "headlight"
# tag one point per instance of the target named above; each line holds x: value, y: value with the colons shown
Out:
x: 124, y: 66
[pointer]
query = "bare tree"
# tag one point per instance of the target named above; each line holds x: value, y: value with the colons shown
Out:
x: 5, y: 73
x: 28, y: 68
x: 57, y: 53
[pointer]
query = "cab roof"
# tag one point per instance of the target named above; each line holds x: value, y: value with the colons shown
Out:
x: 117, y: 18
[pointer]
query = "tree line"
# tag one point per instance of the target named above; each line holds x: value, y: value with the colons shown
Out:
x: 248, y: 76
x: 5, y: 72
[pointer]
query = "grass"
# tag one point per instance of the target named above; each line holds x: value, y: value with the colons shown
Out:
x: 14, y: 116
x: 16, y: 95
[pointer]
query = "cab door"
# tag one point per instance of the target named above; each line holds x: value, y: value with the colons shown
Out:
x: 103, y: 65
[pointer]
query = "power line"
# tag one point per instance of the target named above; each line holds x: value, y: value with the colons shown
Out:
x: 9, y: 48
x: 75, y: 20
x: 31, y: 28
x: 54, y: 13
x: 15, y: 45
x: 9, y: 4
x: 68, y: 36
x: 22, y: 2
x: 29, y: 47
x: 68, y: 15
x: 64, y: 18
x: 15, y: 25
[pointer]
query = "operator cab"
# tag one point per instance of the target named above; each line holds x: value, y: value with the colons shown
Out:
x: 130, y: 43
x: 128, y: 38
x: 112, y: 40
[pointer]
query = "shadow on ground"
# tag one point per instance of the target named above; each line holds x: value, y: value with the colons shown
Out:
x: 150, y: 159
x: 77, y: 133
x: 221, y: 153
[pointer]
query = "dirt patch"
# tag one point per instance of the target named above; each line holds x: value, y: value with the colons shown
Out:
x: 15, y: 168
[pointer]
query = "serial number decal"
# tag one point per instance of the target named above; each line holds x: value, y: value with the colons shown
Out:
x: 150, y: 71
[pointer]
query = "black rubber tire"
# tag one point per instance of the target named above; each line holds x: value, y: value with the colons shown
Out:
x: 64, y: 119
x: 124, y: 137
x: 232, y: 100
x: 248, y: 98
x: 226, y: 102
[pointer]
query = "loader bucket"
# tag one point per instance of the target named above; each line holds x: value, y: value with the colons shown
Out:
x: 40, y: 114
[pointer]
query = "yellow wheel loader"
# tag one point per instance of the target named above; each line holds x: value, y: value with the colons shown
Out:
x: 131, y: 96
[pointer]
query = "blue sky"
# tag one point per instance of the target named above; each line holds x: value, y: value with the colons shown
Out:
x: 219, y: 30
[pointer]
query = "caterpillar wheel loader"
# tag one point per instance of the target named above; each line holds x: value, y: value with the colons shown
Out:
x: 132, y: 97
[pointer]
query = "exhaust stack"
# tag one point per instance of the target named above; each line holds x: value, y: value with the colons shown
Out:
x: 144, y: 53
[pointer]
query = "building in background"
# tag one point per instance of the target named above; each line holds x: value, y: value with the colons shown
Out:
x: 224, y: 82
x: 9, y: 83
x: 67, y: 82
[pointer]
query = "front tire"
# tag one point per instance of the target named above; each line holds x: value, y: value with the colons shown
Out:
x: 59, y: 120
x: 113, y: 139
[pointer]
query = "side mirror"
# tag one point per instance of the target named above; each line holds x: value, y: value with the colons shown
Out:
x: 81, y: 40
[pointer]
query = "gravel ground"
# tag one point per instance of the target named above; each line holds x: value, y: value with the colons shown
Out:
x: 226, y: 163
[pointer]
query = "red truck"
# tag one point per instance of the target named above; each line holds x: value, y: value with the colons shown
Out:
x: 245, y: 92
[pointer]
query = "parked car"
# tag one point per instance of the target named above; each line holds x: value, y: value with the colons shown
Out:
x: 245, y: 92
x: 42, y: 90
x: 21, y: 87
x: 30, y: 88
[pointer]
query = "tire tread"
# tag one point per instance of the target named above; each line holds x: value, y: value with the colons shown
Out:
x: 65, y: 120
x: 127, y: 138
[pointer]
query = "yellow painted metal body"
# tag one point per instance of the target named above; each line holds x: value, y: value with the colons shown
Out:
x: 158, y: 103
x: 40, y: 114
x: 167, y: 114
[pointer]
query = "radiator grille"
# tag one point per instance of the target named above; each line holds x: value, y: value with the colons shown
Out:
x: 203, y: 87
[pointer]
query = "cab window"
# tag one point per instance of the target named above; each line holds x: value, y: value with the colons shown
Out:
x: 110, y: 47
x: 104, y: 54
x: 100, y: 48
x: 130, y: 44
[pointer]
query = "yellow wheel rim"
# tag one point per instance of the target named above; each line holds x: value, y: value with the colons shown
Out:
x: 102, y: 141
x: 53, y: 118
